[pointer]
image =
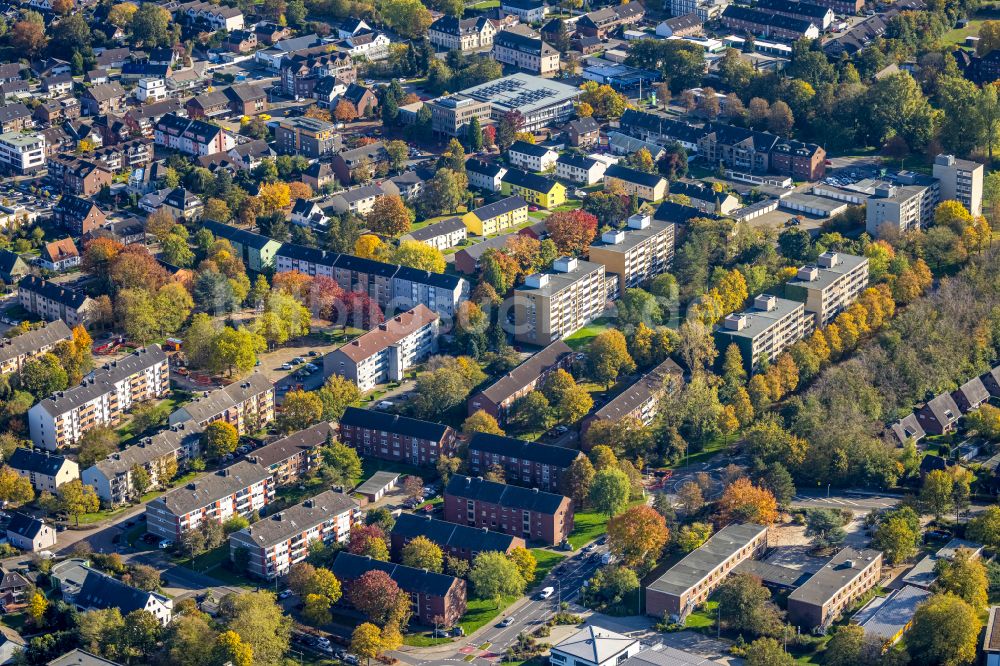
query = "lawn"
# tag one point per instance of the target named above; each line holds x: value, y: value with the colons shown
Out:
x: 582, y: 338
x: 957, y: 35
x: 481, y: 612
x: 587, y: 526
x: 704, y: 617
x: 711, y: 449
x: 547, y: 561
x: 424, y: 639
x: 488, y: 4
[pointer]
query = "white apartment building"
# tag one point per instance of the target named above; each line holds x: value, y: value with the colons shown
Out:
x: 553, y: 305
x: 531, y: 157
x: 238, y: 490
x: 218, y: 17
x: 830, y: 285
x: 961, y: 180
x: 21, y: 153
x: 275, y: 543
x: 247, y: 405
x: 525, y: 52
x: 578, y: 169
x: 770, y: 327
x: 896, y: 209
x: 637, y: 253
x: 151, y: 90
x: 16, y: 351
x: 449, y: 33
x: 113, y: 389
x: 387, y: 351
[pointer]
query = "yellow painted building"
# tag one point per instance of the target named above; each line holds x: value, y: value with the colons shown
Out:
x: 535, y: 189
x: 497, y: 216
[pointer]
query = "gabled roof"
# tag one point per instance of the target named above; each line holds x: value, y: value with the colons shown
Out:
x: 36, y: 461
x: 451, y: 535
x: 974, y: 391
x: 211, y: 488
x: 281, y: 450
x: 546, y: 454
x: 70, y: 298
x: 526, y: 373
x: 489, y: 169
x: 437, y: 229
x: 530, y: 149
x: 349, y: 567
x: 944, y: 409
x: 584, y: 125
x: 497, y: 208
x: 515, y: 497
x: 234, y: 235
x: 60, y: 250
x: 393, y: 423
x: 218, y: 401
x: 9, y: 112
x: 530, y: 181
x: 388, y: 333
x: 104, y: 92
x: 668, y: 211
x: 102, y: 591
x: 24, y: 525
x: 33, y: 340
x: 908, y: 428
x: 633, y: 175
x: 295, y: 520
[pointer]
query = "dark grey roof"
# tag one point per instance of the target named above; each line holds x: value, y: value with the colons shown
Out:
x: 773, y: 574
x: 36, y: 461
x: 35, y: 339
x: 241, y: 236
x: 515, y: 497
x: 974, y: 391
x: 437, y: 229
x: 887, y: 618
x: 286, y: 447
x: 491, y: 169
x: 648, y: 386
x: 545, y: 454
x: 70, y: 298
x: 505, y: 205
x: 451, y: 535
x: 668, y: 211
x: 634, y: 175
x: 531, y: 181
x: 24, y: 525
x: 102, y: 591
x: 81, y: 658
x: 676, y: 23
x: 155, y: 447
x: 218, y: 401
x: 9, y: 112
x: 209, y: 488
x: 944, y: 409
x: 527, y: 372
x: 584, y: 125
x: 393, y: 423
x: 103, y: 92
x: 699, y: 563
x: 907, y: 428
x: 791, y: 7
x: 838, y: 573
x: 667, y: 656
x: 348, y: 567
x: 297, y: 519
x: 578, y: 161
x: 529, y: 149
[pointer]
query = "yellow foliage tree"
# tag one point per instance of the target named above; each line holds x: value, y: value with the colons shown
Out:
x: 370, y: 246
x: 744, y: 502
x: 274, y: 196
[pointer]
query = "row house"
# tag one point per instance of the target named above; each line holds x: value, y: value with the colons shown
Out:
x: 386, y: 436
x: 16, y: 351
x: 436, y: 599
x: 819, y: 14
x: 272, y: 545
x: 524, y: 463
x: 102, y: 400
x: 603, y: 21
x: 498, y: 398
x: 291, y: 458
x: 55, y: 111
x: 192, y: 137
x: 161, y: 455
x: 241, y: 489
x: 247, y: 405
x: 216, y: 17
x: 775, y: 26
x: 527, y: 513
x: 45, y: 471
x: 459, y: 541
x: 450, y: 33
x: 51, y: 302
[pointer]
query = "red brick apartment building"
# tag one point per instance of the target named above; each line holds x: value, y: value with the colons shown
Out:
x: 525, y: 463
x: 497, y: 398
x: 801, y: 161
x: 459, y: 541
x: 393, y: 437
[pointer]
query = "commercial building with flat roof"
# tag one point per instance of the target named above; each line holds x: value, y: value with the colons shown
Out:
x: 637, y: 253
x: 690, y: 581
x: 832, y: 589
x: 555, y: 304
x: 768, y: 328
x: 541, y: 101
x: 830, y: 285
x: 21, y: 153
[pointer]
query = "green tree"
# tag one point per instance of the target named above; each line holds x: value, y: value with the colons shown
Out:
x: 608, y: 357
x: 826, y: 527
x: 936, y: 492
x: 984, y: 528
x: 745, y: 606
x: 768, y: 652
x: 422, y: 553
x: 43, y: 376
x: 299, y: 411
x: 77, y: 499
x: 610, y: 491
x: 260, y: 623
x: 219, y: 438
x: 494, y: 576
x: 532, y: 412
x: 965, y: 577
x: 945, y: 632
x: 897, y: 538
x: 341, y: 464
x: 337, y: 394
x: 97, y: 444
x: 366, y: 641
x: 577, y: 481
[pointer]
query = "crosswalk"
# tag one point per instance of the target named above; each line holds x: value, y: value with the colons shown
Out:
x: 859, y: 503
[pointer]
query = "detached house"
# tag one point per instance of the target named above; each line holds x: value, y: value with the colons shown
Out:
x: 45, y: 471
x: 59, y: 256
x: 449, y: 33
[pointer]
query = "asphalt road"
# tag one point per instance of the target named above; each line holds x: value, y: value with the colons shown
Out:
x: 838, y: 499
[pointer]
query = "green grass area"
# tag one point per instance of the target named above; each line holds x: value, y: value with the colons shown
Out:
x: 712, y: 448
x: 957, y: 35
x: 703, y: 617
x: 582, y: 338
x: 488, y: 4
x: 547, y: 561
x: 587, y: 526
x: 481, y: 612
x: 424, y: 640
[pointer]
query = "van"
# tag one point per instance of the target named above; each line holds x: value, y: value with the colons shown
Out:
x: 607, y: 558
x: 547, y: 592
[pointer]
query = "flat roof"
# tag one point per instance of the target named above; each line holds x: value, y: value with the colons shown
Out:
x: 699, y: 563
x: 835, y: 575
x: 827, y: 276
x: 813, y: 201
x: 523, y: 92
x: 923, y: 572
x: 376, y: 482
x: 758, y: 320
x: 559, y: 280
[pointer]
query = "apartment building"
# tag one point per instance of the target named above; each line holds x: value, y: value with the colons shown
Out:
x: 497, y: 398
x: 387, y: 351
x: 272, y: 545
x: 961, y: 180
x: 531, y: 157
x: 451, y: 115
x: 15, y: 118
x: 775, y: 26
x: 16, y: 351
x: 648, y: 186
x: 397, y: 438
x: 347, y: 162
x: 636, y: 254
x: 102, y: 99
x: 528, y: 464
x: 301, y: 72
x: 191, y: 137
x: 21, y: 154
x: 553, y: 305
x: 843, y: 580
x: 765, y: 330
x: 486, y: 176
x: 77, y: 215
x: 455, y: 540
x: 830, y: 285
x: 895, y: 209
x: 603, y: 21
x: 216, y: 17
x: 704, y: 197
x: 496, y: 217
x: 689, y: 582
x: 735, y: 147
x: 579, y: 169
x: 449, y: 33
x: 539, y: 190
x: 310, y: 137
x: 436, y: 599
x: 248, y: 405
x: 528, y: 11
x: 255, y: 250
x: 237, y: 490
x: 525, y: 52
x: 801, y: 161
x: 113, y: 478
x: 440, y: 235
x: 527, y: 513
x: 113, y: 389
x: 45, y: 471
x: 52, y: 302
x: 821, y: 15
x: 291, y: 458
x: 642, y: 399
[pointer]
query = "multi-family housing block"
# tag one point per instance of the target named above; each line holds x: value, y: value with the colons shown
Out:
x: 497, y: 398
x: 579, y: 169
x: 524, y: 463
x: 648, y: 186
x: 642, y: 399
x: 496, y: 217
x: 273, y: 544
x: 399, y: 438
x: 764, y: 331
x: 528, y: 513
x: 53, y: 302
x: 21, y: 154
x: 830, y: 285
x: 291, y: 458
x: 384, y: 353
x: 45, y: 471
x: 192, y: 137
x: 834, y: 588
x: 450, y: 33
x: 894, y: 209
x: 237, y: 490
x: 456, y: 540
x: 960, y: 180
x: 531, y: 157
x: 247, y: 405
x: 16, y: 351
x: 114, y: 388
x: 526, y: 52
x: 170, y: 449
x: 555, y: 304
x: 765, y: 24
x: 440, y: 235
x: 636, y: 254
x: 310, y: 137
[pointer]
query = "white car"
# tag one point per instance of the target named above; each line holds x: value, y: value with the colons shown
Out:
x: 506, y: 622
x: 547, y: 592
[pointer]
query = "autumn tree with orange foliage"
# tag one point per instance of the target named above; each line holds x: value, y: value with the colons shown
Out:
x: 299, y: 190
x: 99, y: 254
x: 637, y: 536
x: 295, y: 283
x: 571, y: 230
x: 743, y: 502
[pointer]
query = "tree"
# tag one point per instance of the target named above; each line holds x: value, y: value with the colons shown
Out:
x: 572, y: 231
x: 260, y: 623
x: 219, y: 438
x: 897, y: 538
x: 316, y: 609
x: 637, y: 536
x: 230, y: 648
x: 945, y: 632
x: 767, y: 652
x: 690, y: 497
x: 745, y: 605
x: 532, y: 412
x: 43, y: 375
x: 341, y: 463
x: 780, y: 119
x: 337, y: 394
x: 480, y: 421
x: 577, y: 480
x: 691, y: 537
x: 14, y: 488
x: 300, y: 410
x: 422, y: 553
x: 37, y: 606
x: 965, y: 577
x: 28, y: 37
x: 608, y: 357
x: 826, y: 527
x: 420, y: 256
x: 376, y: 595
x: 984, y: 527
x: 398, y: 152
x: 144, y: 577
x: 525, y: 561
x: 77, y: 499
x: 345, y: 112
x: 610, y: 491
x: 389, y: 216
x: 494, y: 575
x: 569, y: 402
x: 366, y: 641
x: 936, y: 492
x: 744, y: 502
x: 368, y: 540
x: 97, y: 444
